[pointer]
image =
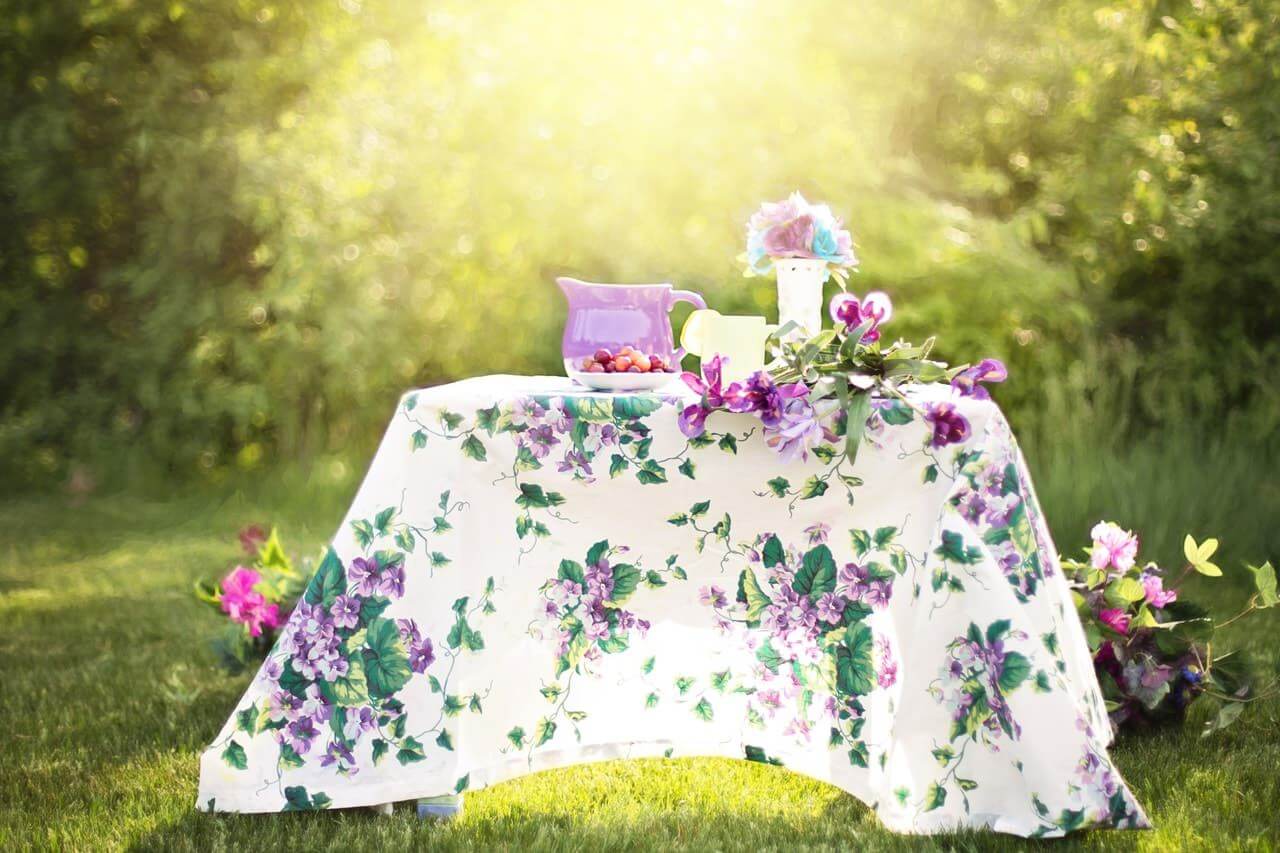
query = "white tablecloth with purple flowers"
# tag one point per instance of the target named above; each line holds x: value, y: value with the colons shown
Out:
x: 534, y: 576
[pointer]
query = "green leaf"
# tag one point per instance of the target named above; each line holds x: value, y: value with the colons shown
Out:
x: 1264, y: 578
x: 444, y: 740
x: 487, y: 419
x: 382, y: 519
x: 516, y: 736
x: 703, y: 710
x: 651, y: 701
x: 453, y: 705
x: 462, y: 784
x: 386, y: 663
x: 247, y: 720
x: 1127, y: 590
x: 858, y: 754
x: 773, y: 554
x: 363, y: 531
x: 768, y: 656
x: 1227, y: 714
x: 756, y: 598
x: 1198, y: 556
x: 686, y: 468
x: 856, y: 423
x: 329, y: 582
x: 597, y: 552
x: 813, y: 487
x: 351, y: 690
x: 935, y: 797
x: 632, y: 407
x: 817, y: 574
x: 897, y: 414
x: 544, y: 731
x: 234, y: 756
x: 699, y: 509
x: 729, y: 444
x: 655, y: 579
x: 997, y: 629
x: 780, y: 486
x: 953, y: 549
x: 572, y: 571
x: 410, y: 751
x: 651, y: 473
x: 617, y: 464
x: 473, y: 448
x: 626, y: 578
x: 855, y: 671
x: 884, y: 535
x: 451, y: 420
x: 419, y: 439
x: 380, y: 748
x: 931, y: 474
x: 1015, y: 671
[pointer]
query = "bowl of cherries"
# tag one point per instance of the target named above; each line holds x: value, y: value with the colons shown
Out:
x: 629, y: 369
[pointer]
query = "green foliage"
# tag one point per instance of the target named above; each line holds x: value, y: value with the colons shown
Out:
x: 233, y: 233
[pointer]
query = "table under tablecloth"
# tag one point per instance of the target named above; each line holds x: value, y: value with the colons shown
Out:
x: 533, y: 576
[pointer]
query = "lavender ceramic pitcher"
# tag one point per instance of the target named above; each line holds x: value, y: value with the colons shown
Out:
x: 611, y: 316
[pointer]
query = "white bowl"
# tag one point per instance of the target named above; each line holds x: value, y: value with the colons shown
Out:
x: 623, y: 381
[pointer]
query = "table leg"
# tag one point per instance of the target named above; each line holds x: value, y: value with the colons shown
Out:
x: 443, y: 808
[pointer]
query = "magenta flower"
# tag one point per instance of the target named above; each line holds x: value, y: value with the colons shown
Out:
x: 765, y: 398
x: 252, y: 539
x: 244, y: 604
x: 949, y: 426
x: 1112, y: 546
x: 849, y: 312
x: 987, y: 370
x: 1157, y: 595
x: 1116, y: 619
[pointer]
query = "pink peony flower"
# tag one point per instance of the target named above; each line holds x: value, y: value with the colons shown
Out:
x: 1157, y: 595
x: 1113, y: 546
x: 1115, y: 619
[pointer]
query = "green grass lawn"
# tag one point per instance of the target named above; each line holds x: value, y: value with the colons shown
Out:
x: 109, y: 689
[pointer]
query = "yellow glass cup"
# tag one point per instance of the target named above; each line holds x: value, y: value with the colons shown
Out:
x: 738, y: 340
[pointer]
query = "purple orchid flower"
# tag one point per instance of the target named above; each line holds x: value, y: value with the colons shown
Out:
x: 966, y: 382
x: 848, y: 312
x: 693, y: 419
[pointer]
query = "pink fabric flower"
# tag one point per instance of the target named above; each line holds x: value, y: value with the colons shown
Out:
x: 1113, y: 546
x: 1157, y: 595
x: 1115, y: 619
x: 791, y: 239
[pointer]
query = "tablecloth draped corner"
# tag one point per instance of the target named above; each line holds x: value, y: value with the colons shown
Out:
x: 533, y: 576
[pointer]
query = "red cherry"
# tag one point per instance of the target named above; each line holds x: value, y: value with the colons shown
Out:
x: 596, y: 368
x: 603, y: 356
x: 656, y: 362
x: 609, y: 368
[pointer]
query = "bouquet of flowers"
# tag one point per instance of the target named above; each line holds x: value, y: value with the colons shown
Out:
x: 256, y: 598
x: 819, y: 389
x: 1153, y: 651
x: 794, y: 228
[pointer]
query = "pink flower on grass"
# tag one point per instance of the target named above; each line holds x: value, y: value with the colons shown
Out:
x: 1113, y: 547
x: 244, y: 604
x: 1115, y: 619
x: 1157, y: 595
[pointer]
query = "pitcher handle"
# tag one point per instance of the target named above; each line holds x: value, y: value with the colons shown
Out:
x: 684, y: 296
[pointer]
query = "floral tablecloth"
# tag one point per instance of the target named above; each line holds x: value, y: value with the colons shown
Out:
x: 534, y: 576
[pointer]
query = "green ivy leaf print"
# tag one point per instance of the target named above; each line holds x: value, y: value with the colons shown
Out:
x: 686, y: 468
x: 858, y: 755
x: 596, y: 552
x: 935, y: 797
x: 380, y: 748
x: 703, y: 710
x: 651, y: 473
x: 813, y: 487
x: 617, y: 464
x: 729, y: 444
x: 234, y: 756
x: 462, y: 784
x: 247, y: 720
x: 572, y: 571
x: 329, y: 582
x: 363, y: 531
x: 953, y: 549
x: 297, y: 800
x: 410, y: 751
x: 779, y: 486
x: 516, y: 736
x: 444, y: 740
x: 544, y: 731
x: 419, y: 439
x: 386, y: 663
x: 487, y: 419
x: 473, y: 448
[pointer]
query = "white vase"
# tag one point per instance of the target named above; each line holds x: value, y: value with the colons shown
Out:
x: 800, y: 294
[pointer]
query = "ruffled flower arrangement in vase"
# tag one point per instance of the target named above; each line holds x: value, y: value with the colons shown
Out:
x: 803, y: 244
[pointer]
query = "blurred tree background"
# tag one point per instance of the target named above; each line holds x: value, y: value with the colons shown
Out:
x: 235, y: 230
